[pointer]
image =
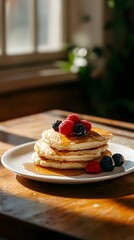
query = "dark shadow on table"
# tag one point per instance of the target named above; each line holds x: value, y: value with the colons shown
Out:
x: 114, y: 188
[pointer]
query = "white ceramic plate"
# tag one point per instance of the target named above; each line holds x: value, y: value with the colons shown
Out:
x: 14, y: 159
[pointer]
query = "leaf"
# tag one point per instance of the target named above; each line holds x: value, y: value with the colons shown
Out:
x: 65, y: 65
x: 71, y: 57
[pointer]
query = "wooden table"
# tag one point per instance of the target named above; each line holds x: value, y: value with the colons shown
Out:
x: 37, y: 210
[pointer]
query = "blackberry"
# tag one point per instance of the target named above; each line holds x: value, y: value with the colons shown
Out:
x: 55, y: 125
x: 118, y: 159
x: 107, y: 163
x: 79, y: 130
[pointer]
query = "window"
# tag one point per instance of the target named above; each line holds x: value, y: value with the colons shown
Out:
x: 31, y: 30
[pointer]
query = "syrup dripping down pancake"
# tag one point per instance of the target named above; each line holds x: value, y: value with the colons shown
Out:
x: 44, y: 150
x: 93, y: 139
x: 43, y: 162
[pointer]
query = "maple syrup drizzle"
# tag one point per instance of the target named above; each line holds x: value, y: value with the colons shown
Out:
x: 51, y: 171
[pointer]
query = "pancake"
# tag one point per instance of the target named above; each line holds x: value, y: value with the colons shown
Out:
x: 43, y: 162
x: 93, y: 139
x: 44, y: 150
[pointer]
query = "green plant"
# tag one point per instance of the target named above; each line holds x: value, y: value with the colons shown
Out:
x: 85, y: 62
x: 120, y: 63
x: 110, y: 92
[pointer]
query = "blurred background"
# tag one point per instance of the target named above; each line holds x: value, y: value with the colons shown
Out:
x: 67, y: 54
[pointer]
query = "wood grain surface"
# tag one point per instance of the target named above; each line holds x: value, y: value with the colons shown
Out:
x: 37, y: 210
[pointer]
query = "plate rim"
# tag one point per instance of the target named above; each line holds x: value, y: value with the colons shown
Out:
x: 61, y: 179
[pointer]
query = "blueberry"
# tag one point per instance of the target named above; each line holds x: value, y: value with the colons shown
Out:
x: 107, y: 163
x: 79, y: 130
x: 118, y: 159
x: 55, y: 125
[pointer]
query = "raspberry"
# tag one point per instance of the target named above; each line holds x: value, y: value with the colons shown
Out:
x: 87, y: 125
x: 66, y: 127
x: 93, y: 167
x: 74, y: 117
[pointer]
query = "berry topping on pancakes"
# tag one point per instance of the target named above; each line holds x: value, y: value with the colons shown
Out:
x: 74, y: 117
x: 72, y: 125
x: 55, y: 125
x: 87, y: 125
x: 79, y: 130
x: 66, y: 127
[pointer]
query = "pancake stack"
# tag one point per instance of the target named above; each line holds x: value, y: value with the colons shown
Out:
x: 58, y: 151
